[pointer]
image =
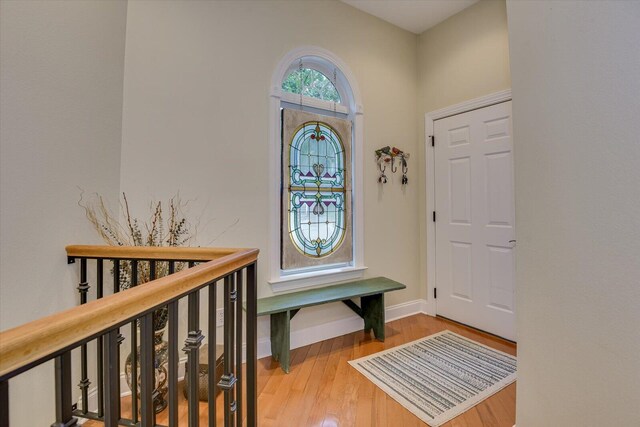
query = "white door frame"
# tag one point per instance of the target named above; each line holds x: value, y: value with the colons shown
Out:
x: 429, y: 118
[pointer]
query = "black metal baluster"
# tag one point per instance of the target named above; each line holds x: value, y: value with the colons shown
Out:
x: 173, y: 362
x: 147, y: 371
x: 173, y: 357
x: 99, y: 278
x: 152, y: 270
x: 119, y: 338
x: 100, y: 379
x: 64, y: 411
x: 252, y: 346
x: 134, y: 273
x: 116, y: 276
x: 134, y: 350
x: 232, y: 361
x: 228, y: 380
x: 192, y: 348
x: 238, y: 308
x: 4, y: 403
x: 111, y: 368
x: 152, y: 276
x: 212, y: 356
x: 83, y: 289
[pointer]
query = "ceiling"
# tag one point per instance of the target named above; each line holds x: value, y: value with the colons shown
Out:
x: 412, y: 15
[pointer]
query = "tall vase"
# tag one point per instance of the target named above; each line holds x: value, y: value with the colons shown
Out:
x: 160, y: 363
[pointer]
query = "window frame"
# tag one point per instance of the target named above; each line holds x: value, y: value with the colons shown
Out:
x: 315, y: 63
x: 350, y: 105
x: 307, y: 101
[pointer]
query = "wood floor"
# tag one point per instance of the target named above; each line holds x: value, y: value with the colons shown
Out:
x: 323, y: 390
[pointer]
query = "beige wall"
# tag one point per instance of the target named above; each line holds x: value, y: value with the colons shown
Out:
x: 61, y: 67
x: 196, y: 119
x: 464, y: 57
x: 576, y: 100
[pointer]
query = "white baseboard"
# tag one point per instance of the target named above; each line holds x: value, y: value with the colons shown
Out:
x: 430, y: 307
x: 299, y: 338
x: 325, y: 331
x: 405, y: 309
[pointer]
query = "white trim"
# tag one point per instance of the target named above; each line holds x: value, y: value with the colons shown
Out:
x: 472, y: 104
x: 430, y: 206
x: 313, y: 278
x: 429, y: 118
x: 307, y: 101
x: 325, y: 331
x: 344, y: 79
x: 404, y: 309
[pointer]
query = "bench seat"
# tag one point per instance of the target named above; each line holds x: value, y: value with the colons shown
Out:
x: 282, y: 308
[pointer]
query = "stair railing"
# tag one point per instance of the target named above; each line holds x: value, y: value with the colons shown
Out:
x: 54, y: 337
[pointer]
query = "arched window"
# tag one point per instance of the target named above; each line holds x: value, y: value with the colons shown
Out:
x: 317, y: 130
x: 311, y: 83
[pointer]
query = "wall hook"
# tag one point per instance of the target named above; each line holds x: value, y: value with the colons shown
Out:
x: 383, y: 178
x: 405, y: 169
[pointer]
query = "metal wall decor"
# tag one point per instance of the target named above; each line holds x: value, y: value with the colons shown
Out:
x: 390, y: 156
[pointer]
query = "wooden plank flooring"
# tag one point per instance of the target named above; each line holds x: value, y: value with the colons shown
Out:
x: 323, y: 390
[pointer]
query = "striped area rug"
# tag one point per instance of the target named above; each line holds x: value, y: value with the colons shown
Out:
x: 439, y: 377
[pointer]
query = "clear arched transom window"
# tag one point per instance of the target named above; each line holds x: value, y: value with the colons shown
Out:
x: 317, y: 192
x: 311, y: 83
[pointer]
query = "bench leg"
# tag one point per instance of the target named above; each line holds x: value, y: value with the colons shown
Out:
x: 373, y: 313
x: 280, y: 328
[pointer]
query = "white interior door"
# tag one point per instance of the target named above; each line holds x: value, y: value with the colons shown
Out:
x: 475, y: 227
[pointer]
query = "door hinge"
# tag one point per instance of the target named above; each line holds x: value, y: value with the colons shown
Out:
x: 434, y: 216
x: 433, y: 140
x: 435, y: 293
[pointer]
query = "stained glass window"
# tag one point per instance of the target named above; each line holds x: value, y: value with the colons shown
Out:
x: 316, y: 189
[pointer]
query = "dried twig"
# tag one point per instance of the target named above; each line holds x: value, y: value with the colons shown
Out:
x: 114, y: 233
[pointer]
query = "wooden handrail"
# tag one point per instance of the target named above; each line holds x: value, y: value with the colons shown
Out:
x: 27, y: 345
x: 148, y: 252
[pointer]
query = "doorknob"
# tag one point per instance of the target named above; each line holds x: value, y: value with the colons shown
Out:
x: 512, y: 243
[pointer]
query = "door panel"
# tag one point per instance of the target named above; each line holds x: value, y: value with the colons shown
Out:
x: 476, y: 219
x: 501, y: 275
x: 461, y: 271
x: 460, y: 179
x: 499, y: 190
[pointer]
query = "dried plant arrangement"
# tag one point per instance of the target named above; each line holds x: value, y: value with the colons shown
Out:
x: 167, y: 225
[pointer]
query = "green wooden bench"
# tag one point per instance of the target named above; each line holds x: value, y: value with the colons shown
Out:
x: 282, y: 308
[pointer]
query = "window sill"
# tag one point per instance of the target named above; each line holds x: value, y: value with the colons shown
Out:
x: 314, y: 278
